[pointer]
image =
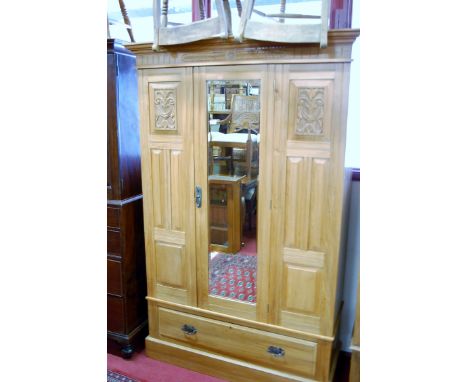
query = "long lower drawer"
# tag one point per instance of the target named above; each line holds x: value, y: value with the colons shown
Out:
x: 251, y: 345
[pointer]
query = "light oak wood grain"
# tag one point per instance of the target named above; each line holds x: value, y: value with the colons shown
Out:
x: 240, y: 342
x: 154, y: 303
x: 168, y: 207
x: 210, y: 363
x: 301, y: 198
x: 233, y: 307
x: 309, y: 196
x: 226, y: 51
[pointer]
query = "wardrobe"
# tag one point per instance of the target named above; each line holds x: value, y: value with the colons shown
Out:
x: 286, y: 329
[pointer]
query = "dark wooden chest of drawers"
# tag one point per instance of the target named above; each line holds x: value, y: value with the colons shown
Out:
x: 127, y: 323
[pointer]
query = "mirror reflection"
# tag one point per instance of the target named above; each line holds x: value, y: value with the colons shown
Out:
x: 233, y: 165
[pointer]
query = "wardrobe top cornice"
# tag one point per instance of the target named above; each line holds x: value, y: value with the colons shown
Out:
x: 227, y: 51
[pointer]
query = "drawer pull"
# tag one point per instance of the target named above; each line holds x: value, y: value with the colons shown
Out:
x: 189, y: 329
x: 276, y: 351
x: 198, y: 196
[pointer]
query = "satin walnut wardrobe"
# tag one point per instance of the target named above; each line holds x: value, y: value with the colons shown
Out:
x: 269, y: 313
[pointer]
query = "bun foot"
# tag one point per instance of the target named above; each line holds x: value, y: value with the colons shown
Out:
x: 127, y: 351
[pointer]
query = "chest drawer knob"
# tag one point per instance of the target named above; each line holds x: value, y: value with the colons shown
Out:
x: 276, y: 351
x: 189, y: 329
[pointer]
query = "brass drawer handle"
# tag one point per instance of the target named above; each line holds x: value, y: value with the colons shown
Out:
x: 189, y: 329
x: 276, y: 351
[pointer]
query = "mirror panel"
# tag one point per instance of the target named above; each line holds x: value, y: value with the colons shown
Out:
x: 233, y: 134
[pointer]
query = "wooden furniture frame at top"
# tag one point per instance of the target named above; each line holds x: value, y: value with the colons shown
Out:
x: 290, y: 333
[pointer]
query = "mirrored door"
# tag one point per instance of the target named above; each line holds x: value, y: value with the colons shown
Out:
x: 233, y: 133
x: 230, y: 125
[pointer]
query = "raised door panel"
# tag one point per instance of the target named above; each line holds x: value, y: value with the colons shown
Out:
x: 168, y: 179
x: 304, y: 201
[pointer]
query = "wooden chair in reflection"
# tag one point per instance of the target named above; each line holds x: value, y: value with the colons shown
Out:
x: 238, y: 148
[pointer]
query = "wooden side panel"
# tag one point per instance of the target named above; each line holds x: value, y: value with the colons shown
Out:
x: 305, y: 198
x: 169, y: 180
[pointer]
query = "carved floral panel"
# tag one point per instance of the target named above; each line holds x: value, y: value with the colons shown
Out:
x: 165, y: 109
x: 310, y: 111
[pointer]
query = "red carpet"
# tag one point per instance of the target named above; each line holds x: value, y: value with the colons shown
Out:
x: 234, y: 276
x: 144, y: 369
x: 116, y: 377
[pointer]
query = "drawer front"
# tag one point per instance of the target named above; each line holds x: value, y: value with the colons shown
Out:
x: 113, y: 217
x: 115, y: 314
x: 113, y: 242
x: 114, y: 277
x: 252, y: 345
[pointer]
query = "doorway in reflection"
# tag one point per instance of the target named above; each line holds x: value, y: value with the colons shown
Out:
x: 233, y: 166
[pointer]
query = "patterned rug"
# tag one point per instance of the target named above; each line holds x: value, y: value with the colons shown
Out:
x: 234, y: 276
x: 112, y: 376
